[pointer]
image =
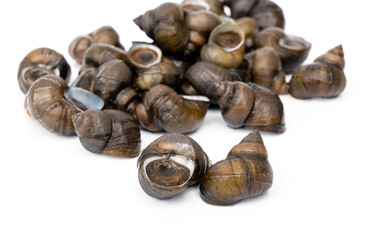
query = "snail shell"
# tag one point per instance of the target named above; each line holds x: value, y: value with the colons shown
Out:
x: 170, y: 164
x: 190, y: 6
x: 292, y: 50
x: 225, y: 47
x: 151, y: 67
x: 51, y: 103
x: 240, y: 8
x: 323, y: 78
x: 86, y: 78
x: 105, y: 35
x: 267, y: 70
x: 41, y: 62
x: 267, y: 14
x: 245, y: 173
x: 250, y: 28
x: 165, y: 24
x: 110, y: 132
x: 100, y: 53
x: 175, y: 113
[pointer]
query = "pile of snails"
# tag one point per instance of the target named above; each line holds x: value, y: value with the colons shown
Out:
x: 200, y: 58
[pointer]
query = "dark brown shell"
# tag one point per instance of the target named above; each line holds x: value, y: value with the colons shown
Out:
x: 170, y: 164
x: 110, y: 132
x: 267, y: 14
x: 172, y: 112
x: 112, y: 77
x: 323, y: 78
x: 267, y: 70
x: 86, y: 79
x: 245, y: 173
x: 241, y: 8
x: 41, y: 62
x: 100, y: 53
x: 292, y: 50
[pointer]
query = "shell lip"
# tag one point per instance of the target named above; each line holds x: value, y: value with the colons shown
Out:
x: 228, y: 27
x: 140, y: 46
x: 180, y: 159
x: 83, y: 99
x: 198, y: 98
x: 294, y: 43
x: 191, y: 6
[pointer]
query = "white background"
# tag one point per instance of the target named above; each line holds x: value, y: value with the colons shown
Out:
x: 52, y: 188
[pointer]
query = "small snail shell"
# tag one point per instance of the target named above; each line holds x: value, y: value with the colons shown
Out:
x: 225, y: 47
x: 202, y: 75
x: 100, y: 53
x: 105, y: 35
x: 165, y: 24
x: 110, y: 132
x: 267, y: 14
x: 40, y: 62
x: 151, y: 67
x: 250, y: 28
x: 245, y: 173
x: 112, y: 76
x: 292, y: 50
x: 216, y: 6
x: 146, y: 120
x: 323, y: 78
x: 126, y: 99
x: 51, y: 103
x: 86, y: 78
x: 175, y: 113
x: 190, y: 6
x: 241, y: 8
x: 267, y: 70
x: 170, y: 164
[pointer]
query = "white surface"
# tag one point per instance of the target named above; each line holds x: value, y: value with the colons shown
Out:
x: 52, y: 188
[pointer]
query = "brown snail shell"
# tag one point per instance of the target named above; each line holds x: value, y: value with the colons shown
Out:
x: 110, y: 132
x: 241, y: 8
x: 292, y: 50
x: 50, y: 102
x: 170, y: 164
x: 323, y: 78
x: 86, y: 78
x: 245, y: 173
x: 216, y: 6
x: 225, y: 47
x: 152, y: 67
x: 146, y: 120
x: 126, y: 99
x: 250, y: 28
x: 105, y: 35
x: 267, y: 70
x: 111, y: 78
x: 175, y: 113
x: 203, y: 75
x: 100, y: 53
x: 165, y: 24
x: 41, y: 62
x: 267, y: 14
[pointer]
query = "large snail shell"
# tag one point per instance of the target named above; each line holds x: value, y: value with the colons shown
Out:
x: 267, y: 70
x: 268, y: 112
x: 225, y: 47
x: 112, y: 77
x: 110, y: 132
x: 323, y: 78
x: 170, y: 164
x: 245, y: 173
x: 51, y: 103
x: 175, y: 113
x: 268, y: 14
x: 203, y: 75
x: 40, y: 62
x: 166, y: 26
x: 100, y: 53
x: 292, y: 50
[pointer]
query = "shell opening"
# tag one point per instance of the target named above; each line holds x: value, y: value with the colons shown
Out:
x: 228, y: 36
x: 190, y: 6
x: 173, y: 171
x: 195, y: 98
x: 144, y: 55
x: 294, y: 43
x: 83, y: 99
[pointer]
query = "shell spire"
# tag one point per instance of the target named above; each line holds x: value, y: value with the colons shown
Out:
x: 334, y: 57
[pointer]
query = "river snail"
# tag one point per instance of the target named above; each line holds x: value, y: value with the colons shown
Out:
x: 225, y: 47
x: 323, y: 78
x: 170, y: 164
x: 266, y: 70
x: 172, y: 112
x: 41, y: 62
x: 250, y: 28
x: 52, y: 103
x: 86, y: 78
x: 110, y: 132
x: 245, y: 173
x: 166, y: 25
x: 240, y: 8
x: 151, y: 67
x: 292, y: 50
x: 105, y: 35
x: 100, y: 53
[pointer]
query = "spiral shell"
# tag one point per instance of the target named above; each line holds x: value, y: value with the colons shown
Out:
x: 41, y: 62
x: 170, y: 164
x: 110, y: 132
x: 245, y: 173
x: 323, y: 78
x: 100, y: 53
